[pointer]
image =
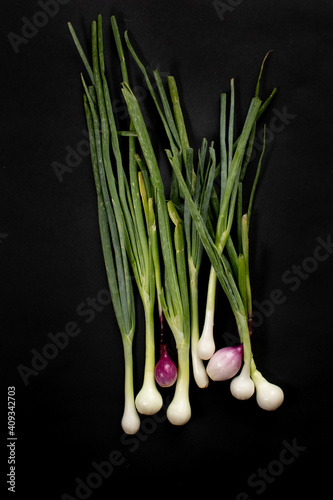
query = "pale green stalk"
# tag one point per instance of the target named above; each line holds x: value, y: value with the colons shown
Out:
x: 200, y: 184
x: 127, y: 206
x: 162, y: 213
x: 223, y: 272
x: 124, y: 311
x: 174, y: 157
x: 224, y: 275
x: 179, y: 410
x: 148, y: 400
x: 233, y: 169
x: 174, y: 298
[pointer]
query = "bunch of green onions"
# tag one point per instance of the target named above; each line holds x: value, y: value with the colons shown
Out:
x: 162, y: 241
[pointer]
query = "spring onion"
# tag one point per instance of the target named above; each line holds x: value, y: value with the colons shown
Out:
x: 201, y: 189
x: 233, y: 166
x: 117, y: 266
x: 163, y: 239
x: 174, y: 297
x: 126, y: 200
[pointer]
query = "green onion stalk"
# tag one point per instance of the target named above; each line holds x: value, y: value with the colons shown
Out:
x: 165, y: 369
x: 176, y: 156
x: 174, y: 298
x: 220, y: 262
x: 226, y: 264
x: 231, y: 201
x: 236, y: 279
x: 201, y: 222
x: 189, y: 316
x: 149, y: 400
x: 116, y: 262
x: 125, y: 199
x: 199, y: 183
x: 235, y: 157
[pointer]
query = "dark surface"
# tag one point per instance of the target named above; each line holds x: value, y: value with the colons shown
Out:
x: 68, y: 415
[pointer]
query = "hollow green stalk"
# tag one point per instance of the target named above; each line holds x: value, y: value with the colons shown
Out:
x: 173, y: 297
x: 234, y: 162
x: 148, y: 400
x: 114, y: 262
x: 224, y: 276
x: 126, y: 204
x: 231, y: 165
x: 200, y: 184
x: 179, y: 410
x: 201, y: 189
x: 174, y: 156
x: 199, y: 370
x: 223, y: 273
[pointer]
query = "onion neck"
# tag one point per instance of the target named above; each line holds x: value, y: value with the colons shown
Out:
x: 206, y: 344
x: 199, y: 369
x: 130, y: 420
x: 244, y: 335
x: 149, y: 401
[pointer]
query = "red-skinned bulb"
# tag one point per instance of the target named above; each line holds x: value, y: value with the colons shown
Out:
x: 165, y: 369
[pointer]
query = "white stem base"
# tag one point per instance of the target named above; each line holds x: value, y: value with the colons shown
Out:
x: 206, y: 344
x: 199, y: 371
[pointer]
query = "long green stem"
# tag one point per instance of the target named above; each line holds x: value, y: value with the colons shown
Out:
x: 82, y: 53
x: 244, y: 334
x: 245, y: 245
x: 162, y: 213
x: 149, y: 401
x: 114, y: 220
x: 174, y: 157
x: 199, y: 369
x: 118, y: 281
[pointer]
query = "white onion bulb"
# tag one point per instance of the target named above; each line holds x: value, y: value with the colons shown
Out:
x: 269, y: 396
x: 242, y: 386
x: 148, y: 401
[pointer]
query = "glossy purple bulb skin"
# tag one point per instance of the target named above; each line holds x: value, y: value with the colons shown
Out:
x: 165, y: 369
x: 225, y: 363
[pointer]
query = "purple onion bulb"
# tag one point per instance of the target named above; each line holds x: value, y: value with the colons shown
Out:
x: 225, y: 363
x: 165, y: 369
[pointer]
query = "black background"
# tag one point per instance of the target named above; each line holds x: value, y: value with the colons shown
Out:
x: 68, y: 416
